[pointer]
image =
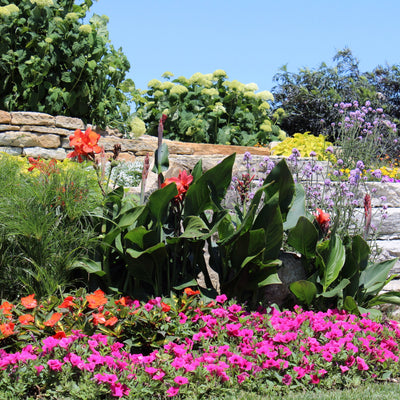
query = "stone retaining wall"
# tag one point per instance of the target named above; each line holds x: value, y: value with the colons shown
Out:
x: 37, y: 134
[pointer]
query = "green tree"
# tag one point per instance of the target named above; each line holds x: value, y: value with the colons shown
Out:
x: 309, y: 95
x: 51, y: 61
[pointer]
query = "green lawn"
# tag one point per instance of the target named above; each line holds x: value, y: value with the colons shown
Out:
x: 376, y: 391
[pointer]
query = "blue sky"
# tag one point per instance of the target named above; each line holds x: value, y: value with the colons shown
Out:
x: 249, y: 39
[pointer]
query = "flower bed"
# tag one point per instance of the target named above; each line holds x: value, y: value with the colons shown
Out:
x: 81, y: 346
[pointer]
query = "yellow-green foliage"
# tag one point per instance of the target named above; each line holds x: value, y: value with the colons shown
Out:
x: 305, y: 144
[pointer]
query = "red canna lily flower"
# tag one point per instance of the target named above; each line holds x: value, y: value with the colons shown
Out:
x: 29, y: 301
x: 165, y: 307
x: 190, y: 292
x: 26, y: 319
x: 96, y: 299
x: 182, y: 182
x: 7, y: 329
x: 53, y: 319
x: 323, y: 219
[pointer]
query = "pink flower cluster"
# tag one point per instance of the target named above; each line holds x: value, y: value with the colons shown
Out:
x: 230, y: 347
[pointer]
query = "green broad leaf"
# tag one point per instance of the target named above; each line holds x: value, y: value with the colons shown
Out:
x: 268, y: 274
x: 337, y: 290
x: 357, y: 255
x: 194, y: 227
x: 130, y: 216
x: 159, y: 201
x: 297, y: 209
x: 350, y: 305
x: 142, y: 239
x: 270, y: 220
x: 334, y: 261
x: 158, y: 248
x: 385, y: 298
x: 376, y: 273
x: 304, y: 237
x: 305, y: 291
x: 197, y: 171
x: 90, y: 266
x: 283, y: 184
x: 161, y: 162
x: 190, y: 283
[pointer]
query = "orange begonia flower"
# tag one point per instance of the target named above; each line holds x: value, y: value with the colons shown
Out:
x: 53, y: 319
x: 26, y: 319
x: 67, y: 302
x: 29, y: 301
x: 98, y: 318
x: 7, y: 329
x: 191, y: 292
x: 96, y: 299
x: 6, y: 307
x: 111, y: 322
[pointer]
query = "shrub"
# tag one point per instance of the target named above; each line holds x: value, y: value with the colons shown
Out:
x: 44, y: 224
x: 51, y: 62
x: 210, y: 109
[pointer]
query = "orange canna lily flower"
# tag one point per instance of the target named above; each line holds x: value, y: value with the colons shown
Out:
x: 182, y: 182
x: 29, y: 301
x: 165, y: 307
x: 96, y: 299
x: 59, y: 335
x: 323, y: 219
x: 7, y: 329
x: 84, y: 144
x: 190, y: 292
x: 26, y: 319
x: 53, y: 319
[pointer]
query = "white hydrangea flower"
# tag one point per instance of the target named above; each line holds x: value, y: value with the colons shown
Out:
x: 249, y: 95
x: 179, y: 89
x: 167, y: 75
x: 281, y: 135
x: 266, y: 126
x: 265, y: 95
x: 235, y: 85
x: 219, y: 73
x: 210, y: 91
x: 251, y: 87
x: 158, y: 93
x: 71, y: 16
x: 219, y: 108
x: 154, y: 83
x: 138, y: 127
x: 86, y: 29
x: 264, y: 106
x: 182, y: 80
x: 8, y: 10
x: 43, y: 3
x: 166, y: 86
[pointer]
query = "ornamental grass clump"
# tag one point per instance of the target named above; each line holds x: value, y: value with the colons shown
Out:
x: 217, y: 349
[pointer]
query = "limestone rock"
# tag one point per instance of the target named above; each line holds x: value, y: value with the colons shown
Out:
x: 69, y: 123
x: 31, y: 118
x: 14, y: 151
x: 58, y: 154
x: 46, y: 130
x: 28, y: 139
x: 5, y: 117
x: 9, y: 128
